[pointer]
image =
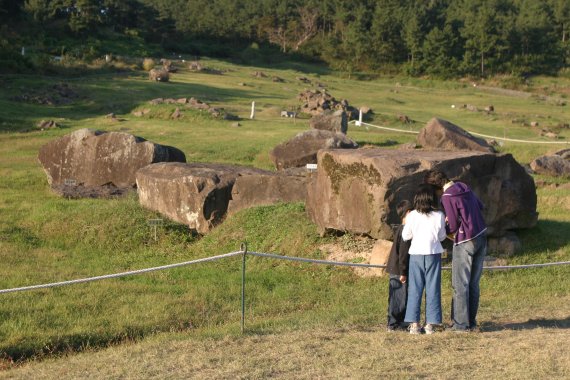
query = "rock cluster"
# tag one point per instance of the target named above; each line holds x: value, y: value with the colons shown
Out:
x: 316, y: 102
x: 58, y: 94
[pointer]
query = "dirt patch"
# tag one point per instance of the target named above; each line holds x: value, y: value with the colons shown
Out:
x: 351, y: 249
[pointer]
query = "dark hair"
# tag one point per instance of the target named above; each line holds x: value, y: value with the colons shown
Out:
x: 403, y: 207
x: 436, y: 178
x: 425, y: 200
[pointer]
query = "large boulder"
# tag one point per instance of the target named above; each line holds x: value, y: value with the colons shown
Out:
x: 441, y: 134
x: 194, y: 194
x: 358, y: 190
x: 267, y: 188
x: 90, y: 158
x: 330, y: 121
x: 506, y: 245
x: 302, y: 149
x: 557, y: 164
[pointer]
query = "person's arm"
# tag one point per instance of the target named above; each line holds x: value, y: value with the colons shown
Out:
x: 442, y: 232
x: 404, y: 260
x: 451, y: 214
x: 481, y: 205
x: 407, y: 231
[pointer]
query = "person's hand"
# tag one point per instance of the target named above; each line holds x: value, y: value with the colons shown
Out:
x: 403, y: 279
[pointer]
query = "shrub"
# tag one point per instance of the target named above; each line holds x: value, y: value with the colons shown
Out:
x: 148, y: 64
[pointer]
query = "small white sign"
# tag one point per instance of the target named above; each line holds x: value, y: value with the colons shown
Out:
x: 311, y: 166
x: 70, y: 182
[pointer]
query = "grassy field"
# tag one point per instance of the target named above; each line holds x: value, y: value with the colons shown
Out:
x: 302, y: 320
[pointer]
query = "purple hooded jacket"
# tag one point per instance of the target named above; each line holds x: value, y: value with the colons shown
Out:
x: 464, y: 212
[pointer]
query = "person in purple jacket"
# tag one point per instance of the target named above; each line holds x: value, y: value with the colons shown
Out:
x: 464, y: 216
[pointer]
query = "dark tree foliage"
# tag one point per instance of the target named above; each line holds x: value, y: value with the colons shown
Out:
x: 420, y: 37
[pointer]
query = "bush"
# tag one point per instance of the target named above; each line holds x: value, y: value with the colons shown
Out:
x: 148, y: 64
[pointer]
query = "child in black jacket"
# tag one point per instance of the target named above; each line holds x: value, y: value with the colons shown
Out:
x: 397, y: 267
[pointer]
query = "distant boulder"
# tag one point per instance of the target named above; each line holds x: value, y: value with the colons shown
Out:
x: 441, y: 134
x: 302, y: 149
x: 195, y: 66
x: 167, y: 65
x: 159, y: 75
x: 330, y: 121
x: 90, y: 158
x: 557, y: 164
x: 46, y: 124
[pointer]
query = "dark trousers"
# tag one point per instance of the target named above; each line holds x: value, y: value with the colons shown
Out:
x: 397, y: 299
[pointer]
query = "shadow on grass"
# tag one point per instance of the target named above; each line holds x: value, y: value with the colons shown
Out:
x: 528, y: 325
x: 382, y: 144
x: 75, y: 343
x: 547, y: 235
x: 95, y: 96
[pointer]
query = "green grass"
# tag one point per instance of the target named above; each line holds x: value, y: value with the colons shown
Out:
x: 44, y: 238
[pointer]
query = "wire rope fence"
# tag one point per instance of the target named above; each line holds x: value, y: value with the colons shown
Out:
x: 244, y: 253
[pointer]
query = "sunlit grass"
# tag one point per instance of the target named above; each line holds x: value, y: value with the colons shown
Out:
x: 45, y: 238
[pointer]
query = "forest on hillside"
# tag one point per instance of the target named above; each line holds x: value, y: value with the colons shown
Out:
x: 417, y: 37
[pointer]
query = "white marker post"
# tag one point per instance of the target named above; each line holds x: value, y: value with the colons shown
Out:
x: 359, y: 122
x: 252, y: 110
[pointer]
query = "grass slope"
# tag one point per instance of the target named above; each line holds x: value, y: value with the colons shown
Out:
x: 45, y: 239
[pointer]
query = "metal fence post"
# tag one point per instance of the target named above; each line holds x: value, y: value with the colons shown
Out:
x: 243, y: 248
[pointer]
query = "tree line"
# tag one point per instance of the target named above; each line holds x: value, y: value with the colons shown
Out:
x: 418, y: 37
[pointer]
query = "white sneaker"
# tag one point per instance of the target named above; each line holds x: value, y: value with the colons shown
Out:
x: 415, y: 328
x: 429, y: 329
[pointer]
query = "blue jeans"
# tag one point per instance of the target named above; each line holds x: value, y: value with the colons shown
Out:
x: 424, y: 272
x: 467, y: 266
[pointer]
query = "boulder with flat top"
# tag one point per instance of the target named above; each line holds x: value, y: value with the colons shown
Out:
x: 91, y: 159
x: 441, y: 134
x: 330, y: 121
x: 358, y: 190
x: 302, y: 149
x: 194, y: 194
x: 557, y: 164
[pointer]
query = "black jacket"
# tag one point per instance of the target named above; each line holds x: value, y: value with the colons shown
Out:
x: 399, y: 256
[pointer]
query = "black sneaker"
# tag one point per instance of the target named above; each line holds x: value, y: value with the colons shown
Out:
x: 391, y: 328
x: 475, y: 329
